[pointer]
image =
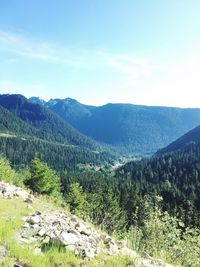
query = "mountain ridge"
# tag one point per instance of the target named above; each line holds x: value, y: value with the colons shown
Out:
x: 190, y: 138
x: 133, y: 129
x: 31, y: 128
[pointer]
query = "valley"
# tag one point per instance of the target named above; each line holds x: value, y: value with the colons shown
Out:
x: 151, y: 200
x: 99, y: 133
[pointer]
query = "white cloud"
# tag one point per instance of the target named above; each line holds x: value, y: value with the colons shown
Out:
x: 34, y: 49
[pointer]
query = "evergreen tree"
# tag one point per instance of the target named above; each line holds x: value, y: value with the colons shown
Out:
x: 43, y: 180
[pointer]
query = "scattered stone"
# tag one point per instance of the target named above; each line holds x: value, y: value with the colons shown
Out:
x: 3, y: 253
x: 57, y: 228
x: 10, y: 191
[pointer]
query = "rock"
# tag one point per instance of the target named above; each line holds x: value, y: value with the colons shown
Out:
x: 128, y: 251
x: 67, y: 230
x: 37, y: 212
x: 89, y: 253
x: 42, y: 232
x: 82, y: 229
x: 3, y: 253
x: 71, y: 248
x: 69, y: 238
x: 31, y: 232
x: 28, y: 199
x: 34, y: 219
x: 35, y: 226
x: 107, y: 240
x: 73, y: 219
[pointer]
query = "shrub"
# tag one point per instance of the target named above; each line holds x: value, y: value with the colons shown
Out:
x: 7, y: 174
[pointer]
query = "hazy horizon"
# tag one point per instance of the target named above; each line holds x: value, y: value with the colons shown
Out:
x: 137, y: 52
x: 98, y: 105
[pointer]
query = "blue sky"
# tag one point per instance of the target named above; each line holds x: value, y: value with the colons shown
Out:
x: 99, y: 51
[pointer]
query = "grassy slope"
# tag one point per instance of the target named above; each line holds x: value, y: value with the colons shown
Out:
x: 11, y: 214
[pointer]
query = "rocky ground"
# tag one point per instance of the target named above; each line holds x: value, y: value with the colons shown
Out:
x: 44, y: 228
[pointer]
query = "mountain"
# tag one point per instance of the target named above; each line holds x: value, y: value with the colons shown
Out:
x: 52, y: 126
x: 37, y: 100
x: 192, y: 138
x: 11, y: 124
x: 31, y: 128
x: 131, y: 128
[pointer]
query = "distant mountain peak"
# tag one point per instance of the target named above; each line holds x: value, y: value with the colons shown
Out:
x: 52, y: 102
x: 71, y: 100
x: 68, y: 101
x: 36, y: 100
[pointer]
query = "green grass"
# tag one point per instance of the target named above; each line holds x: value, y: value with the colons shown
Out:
x: 11, y: 213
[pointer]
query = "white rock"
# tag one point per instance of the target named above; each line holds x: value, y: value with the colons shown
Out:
x: 71, y: 248
x: 90, y: 253
x: 34, y: 219
x: 69, y: 238
x: 42, y: 232
x: 82, y: 229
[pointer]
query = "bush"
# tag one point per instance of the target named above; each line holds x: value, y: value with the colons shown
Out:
x: 7, y: 174
x: 165, y: 237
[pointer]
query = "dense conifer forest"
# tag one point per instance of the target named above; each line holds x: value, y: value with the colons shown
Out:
x: 142, y: 199
x: 135, y: 129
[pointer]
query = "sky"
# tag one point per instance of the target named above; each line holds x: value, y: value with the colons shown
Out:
x: 102, y: 51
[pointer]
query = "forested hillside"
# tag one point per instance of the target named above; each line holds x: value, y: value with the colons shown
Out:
x: 52, y: 126
x: 131, y: 128
x: 190, y: 138
x: 153, y: 203
x: 27, y: 129
x: 174, y: 175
